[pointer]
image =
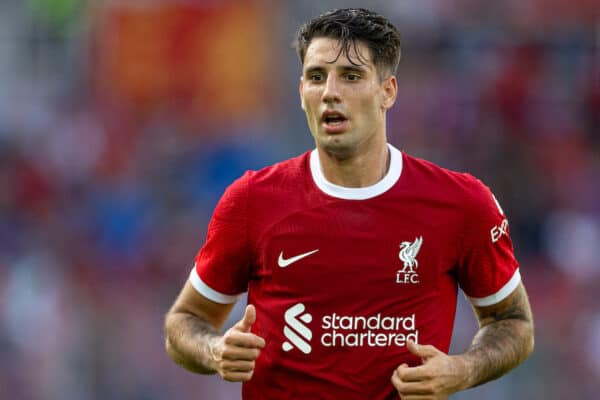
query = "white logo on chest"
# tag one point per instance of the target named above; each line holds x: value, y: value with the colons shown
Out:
x: 408, y: 255
x: 284, y: 262
x: 300, y: 336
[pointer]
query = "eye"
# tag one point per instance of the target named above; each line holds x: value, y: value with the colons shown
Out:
x: 353, y: 77
x: 315, y: 77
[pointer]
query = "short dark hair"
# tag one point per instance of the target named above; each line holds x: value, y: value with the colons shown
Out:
x: 349, y: 25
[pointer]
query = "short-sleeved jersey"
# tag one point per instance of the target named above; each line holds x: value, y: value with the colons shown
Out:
x: 342, y: 277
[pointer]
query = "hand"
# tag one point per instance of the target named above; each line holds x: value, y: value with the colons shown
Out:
x: 439, y: 376
x: 234, y: 353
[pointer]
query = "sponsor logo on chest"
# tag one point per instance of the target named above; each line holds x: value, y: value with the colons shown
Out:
x: 339, y: 330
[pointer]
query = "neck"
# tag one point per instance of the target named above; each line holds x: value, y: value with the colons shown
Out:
x: 361, y: 170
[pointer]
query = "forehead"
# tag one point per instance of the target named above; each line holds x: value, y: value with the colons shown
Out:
x: 323, y: 50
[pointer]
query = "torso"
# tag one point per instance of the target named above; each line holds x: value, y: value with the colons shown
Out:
x: 341, y: 278
x: 356, y: 281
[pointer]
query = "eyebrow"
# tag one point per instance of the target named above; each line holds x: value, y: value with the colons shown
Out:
x: 344, y: 68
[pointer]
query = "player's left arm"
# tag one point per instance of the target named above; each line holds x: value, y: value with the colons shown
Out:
x: 504, y: 340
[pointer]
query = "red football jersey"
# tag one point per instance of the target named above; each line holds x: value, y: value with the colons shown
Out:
x: 342, y: 277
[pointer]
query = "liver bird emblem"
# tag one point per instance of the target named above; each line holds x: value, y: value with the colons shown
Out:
x: 408, y: 254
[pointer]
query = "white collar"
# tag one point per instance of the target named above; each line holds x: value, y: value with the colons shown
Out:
x: 362, y: 193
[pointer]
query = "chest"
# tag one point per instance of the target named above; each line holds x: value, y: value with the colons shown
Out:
x: 357, y: 247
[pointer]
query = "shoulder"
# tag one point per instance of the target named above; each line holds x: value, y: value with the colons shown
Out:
x: 278, y: 179
x: 262, y: 188
x: 429, y: 173
x: 461, y: 188
x: 287, y: 174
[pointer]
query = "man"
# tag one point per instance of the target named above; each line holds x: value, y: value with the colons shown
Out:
x: 352, y: 253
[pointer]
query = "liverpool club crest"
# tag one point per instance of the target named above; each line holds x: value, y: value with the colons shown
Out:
x: 408, y: 255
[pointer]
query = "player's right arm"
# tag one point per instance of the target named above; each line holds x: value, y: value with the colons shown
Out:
x: 221, y: 272
x: 193, y: 341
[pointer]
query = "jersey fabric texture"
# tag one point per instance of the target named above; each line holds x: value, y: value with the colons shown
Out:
x: 342, y: 277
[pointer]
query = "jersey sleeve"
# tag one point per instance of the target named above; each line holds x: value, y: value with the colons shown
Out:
x: 488, y: 271
x: 222, y: 266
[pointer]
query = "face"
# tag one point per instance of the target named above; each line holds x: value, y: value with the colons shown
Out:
x: 345, y: 104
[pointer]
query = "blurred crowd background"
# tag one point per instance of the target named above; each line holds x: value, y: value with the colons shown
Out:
x: 122, y: 122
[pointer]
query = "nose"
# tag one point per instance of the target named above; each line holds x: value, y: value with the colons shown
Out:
x: 331, y: 93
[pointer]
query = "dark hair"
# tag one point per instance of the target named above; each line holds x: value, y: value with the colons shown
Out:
x: 349, y: 25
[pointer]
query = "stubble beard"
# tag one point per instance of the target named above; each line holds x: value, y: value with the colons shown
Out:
x: 338, y: 146
x: 344, y: 146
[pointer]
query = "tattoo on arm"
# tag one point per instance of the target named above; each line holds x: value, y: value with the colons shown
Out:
x: 187, y: 340
x: 504, y: 339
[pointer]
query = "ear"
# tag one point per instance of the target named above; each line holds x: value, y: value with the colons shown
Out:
x: 301, y: 89
x: 389, y: 93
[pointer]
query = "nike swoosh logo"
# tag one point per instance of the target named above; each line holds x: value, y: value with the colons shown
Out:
x: 284, y: 262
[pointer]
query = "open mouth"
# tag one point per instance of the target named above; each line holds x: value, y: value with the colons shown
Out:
x: 334, y: 118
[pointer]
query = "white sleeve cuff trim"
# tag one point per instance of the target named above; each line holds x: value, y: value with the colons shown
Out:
x: 209, y: 292
x: 500, y: 295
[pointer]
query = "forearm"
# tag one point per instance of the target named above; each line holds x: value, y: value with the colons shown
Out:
x: 188, y: 340
x: 504, y: 340
x: 497, y: 348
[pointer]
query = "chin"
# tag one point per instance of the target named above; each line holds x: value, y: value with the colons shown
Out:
x: 337, y: 146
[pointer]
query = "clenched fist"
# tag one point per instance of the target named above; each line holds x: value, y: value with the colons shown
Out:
x: 439, y: 376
